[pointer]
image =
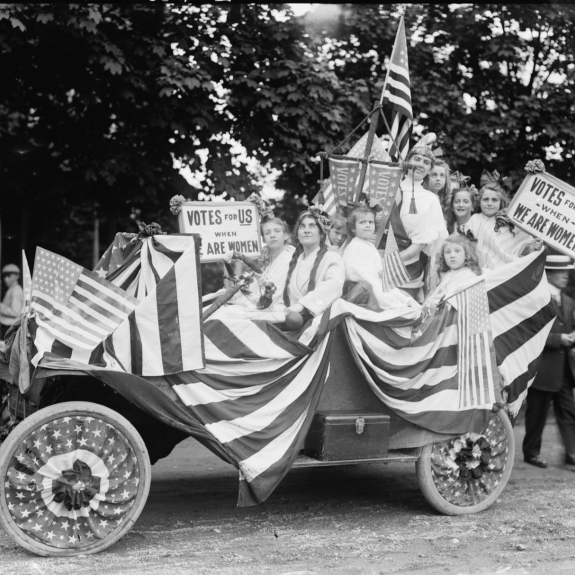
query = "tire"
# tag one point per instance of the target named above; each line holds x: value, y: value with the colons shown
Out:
x: 61, y: 486
x: 441, y: 479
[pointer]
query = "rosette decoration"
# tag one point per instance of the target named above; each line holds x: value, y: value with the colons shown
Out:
x: 147, y: 231
x: 467, y: 469
x: 264, y: 209
x: 176, y: 204
x: 534, y: 166
x: 72, y: 481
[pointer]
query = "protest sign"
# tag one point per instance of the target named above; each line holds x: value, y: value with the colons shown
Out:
x: 223, y: 226
x: 544, y: 207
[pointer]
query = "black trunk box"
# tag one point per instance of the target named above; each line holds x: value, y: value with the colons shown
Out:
x: 338, y: 436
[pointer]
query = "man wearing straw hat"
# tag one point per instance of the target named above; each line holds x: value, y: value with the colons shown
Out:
x: 554, y: 381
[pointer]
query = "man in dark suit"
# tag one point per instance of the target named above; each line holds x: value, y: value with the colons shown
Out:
x: 554, y: 381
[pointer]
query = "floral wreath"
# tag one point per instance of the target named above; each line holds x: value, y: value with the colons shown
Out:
x: 264, y: 209
x: 470, y: 455
x: 322, y: 218
x: 176, y: 204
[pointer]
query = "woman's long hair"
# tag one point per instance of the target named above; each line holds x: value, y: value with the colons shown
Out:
x: 451, y: 220
x: 445, y: 193
x: 501, y: 218
x: 471, y: 259
x: 299, y: 251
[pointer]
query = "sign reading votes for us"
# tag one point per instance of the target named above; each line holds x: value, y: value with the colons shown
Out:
x: 224, y: 226
x: 544, y: 207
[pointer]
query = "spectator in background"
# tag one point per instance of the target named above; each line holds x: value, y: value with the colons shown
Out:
x: 13, y: 301
x: 554, y: 380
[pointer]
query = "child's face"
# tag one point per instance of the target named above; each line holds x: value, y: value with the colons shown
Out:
x: 490, y: 203
x: 365, y: 226
x: 462, y: 206
x: 337, y: 236
x: 454, y: 255
x: 275, y: 236
x: 437, y: 179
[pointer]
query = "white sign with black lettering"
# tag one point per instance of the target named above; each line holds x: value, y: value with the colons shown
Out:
x: 224, y: 226
x: 544, y: 207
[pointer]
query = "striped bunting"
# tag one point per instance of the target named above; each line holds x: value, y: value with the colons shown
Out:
x: 397, y: 95
x: 73, y: 308
x: 163, y: 335
x: 395, y: 273
x: 260, y: 387
x: 137, y: 267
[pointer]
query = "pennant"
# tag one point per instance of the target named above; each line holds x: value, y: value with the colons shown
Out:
x: 383, y: 184
x: 343, y: 174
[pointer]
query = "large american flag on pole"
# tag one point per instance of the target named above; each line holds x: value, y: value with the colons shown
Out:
x: 397, y: 95
x: 476, y: 355
x: 73, y: 308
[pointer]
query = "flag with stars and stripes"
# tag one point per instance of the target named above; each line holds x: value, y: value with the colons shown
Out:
x: 71, y: 481
x: 476, y: 362
x: 395, y: 273
x: 73, y: 308
x: 397, y: 95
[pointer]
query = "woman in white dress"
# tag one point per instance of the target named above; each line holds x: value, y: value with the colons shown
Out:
x: 275, y: 260
x: 417, y: 218
x: 315, y: 276
x: 498, y: 240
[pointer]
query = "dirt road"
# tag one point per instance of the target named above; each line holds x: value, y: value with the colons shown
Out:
x: 363, y: 519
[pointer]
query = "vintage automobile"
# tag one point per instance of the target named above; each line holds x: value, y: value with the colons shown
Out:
x: 65, y: 505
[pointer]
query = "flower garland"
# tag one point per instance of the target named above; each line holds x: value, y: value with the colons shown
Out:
x: 176, y: 204
x: 264, y: 209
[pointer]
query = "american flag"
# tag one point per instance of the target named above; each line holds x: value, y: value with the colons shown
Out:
x: 397, y: 94
x: 358, y: 151
x: 256, y: 397
x: 476, y: 362
x: 74, y: 309
x: 26, y: 282
x: 395, y: 273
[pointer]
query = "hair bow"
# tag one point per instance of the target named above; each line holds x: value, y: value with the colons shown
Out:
x: 265, y: 211
x: 322, y: 218
x: 459, y: 179
x: 468, y: 234
x: 494, y: 178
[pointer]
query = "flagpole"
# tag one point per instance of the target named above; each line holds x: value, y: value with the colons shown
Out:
x: 401, y: 25
x: 374, y: 121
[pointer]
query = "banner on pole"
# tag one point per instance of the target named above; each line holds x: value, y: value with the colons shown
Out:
x: 544, y: 206
x: 343, y: 174
x: 224, y: 226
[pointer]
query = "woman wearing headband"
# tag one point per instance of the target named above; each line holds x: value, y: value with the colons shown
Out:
x: 417, y: 217
x: 315, y: 275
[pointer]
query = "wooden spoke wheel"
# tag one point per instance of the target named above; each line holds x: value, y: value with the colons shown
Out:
x: 74, y: 478
x: 468, y: 473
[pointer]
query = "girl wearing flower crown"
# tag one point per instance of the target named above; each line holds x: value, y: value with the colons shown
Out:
x: 498, y: 241
x: 315, y: 275
x: 417, y: 217
x: 364, y: 266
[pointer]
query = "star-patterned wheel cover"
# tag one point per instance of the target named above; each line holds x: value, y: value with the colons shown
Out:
x: 72, y: 481
x: 468, y: 492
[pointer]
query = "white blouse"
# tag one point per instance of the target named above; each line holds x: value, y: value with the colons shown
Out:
x: 495, y: 249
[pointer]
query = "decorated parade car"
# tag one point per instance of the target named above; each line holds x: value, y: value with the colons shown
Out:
x: 107, y: 370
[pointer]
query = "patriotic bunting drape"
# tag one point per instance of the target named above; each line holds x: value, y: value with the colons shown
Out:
x: 259, y: 389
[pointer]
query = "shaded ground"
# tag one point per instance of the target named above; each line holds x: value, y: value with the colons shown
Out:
x: 364, y: 519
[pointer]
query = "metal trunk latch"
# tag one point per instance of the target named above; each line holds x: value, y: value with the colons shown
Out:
x: 359, y: 425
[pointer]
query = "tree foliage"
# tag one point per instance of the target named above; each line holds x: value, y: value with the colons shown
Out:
x: 98, y: 101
